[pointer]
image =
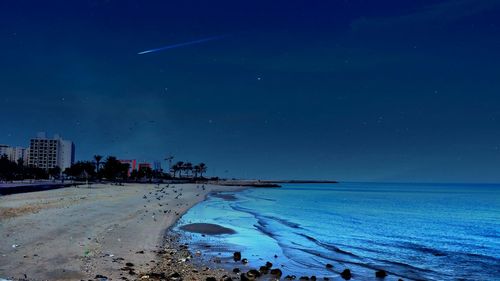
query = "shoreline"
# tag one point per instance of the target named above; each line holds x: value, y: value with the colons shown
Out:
x: 107, y: 231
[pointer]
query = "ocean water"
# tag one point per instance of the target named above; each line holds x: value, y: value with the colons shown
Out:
x: 413, y: 231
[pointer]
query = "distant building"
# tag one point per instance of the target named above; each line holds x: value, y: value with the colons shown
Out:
x: 157, y: 166
x: 3, y: 149
x: 145, y: 165
x: 49, y: 153
x: 14, y: 153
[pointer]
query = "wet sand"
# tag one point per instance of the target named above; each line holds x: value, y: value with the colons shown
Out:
x: 207, y: 228
x: 80, y: 233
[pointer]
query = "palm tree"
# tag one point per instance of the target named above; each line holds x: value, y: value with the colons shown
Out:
x: 202, y: 168
x: 187, y: 167
x: 196, y: 170
x: 97, y: 159
x: 177, y: 167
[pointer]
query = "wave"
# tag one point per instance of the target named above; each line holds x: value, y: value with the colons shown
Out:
x: 264, y: 217
x: 327, y: 246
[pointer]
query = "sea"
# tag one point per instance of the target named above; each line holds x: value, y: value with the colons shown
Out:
x: 412, y: 231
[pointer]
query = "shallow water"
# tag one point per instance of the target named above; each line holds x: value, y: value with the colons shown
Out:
x: 413, y: 231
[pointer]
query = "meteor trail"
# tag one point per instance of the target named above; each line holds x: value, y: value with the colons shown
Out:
x: 178, y: 45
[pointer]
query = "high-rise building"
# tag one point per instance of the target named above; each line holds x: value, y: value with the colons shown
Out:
x: 49, y: 153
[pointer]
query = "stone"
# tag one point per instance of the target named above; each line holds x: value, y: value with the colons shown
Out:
x: 253, y: 273
x: 277, y: 272
x: 380, y: 274
x: 346, y: 274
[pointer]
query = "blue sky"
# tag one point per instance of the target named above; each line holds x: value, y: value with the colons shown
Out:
x: 348, y: 90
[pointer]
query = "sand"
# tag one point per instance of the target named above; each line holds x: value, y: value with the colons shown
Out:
x: 78, y: 233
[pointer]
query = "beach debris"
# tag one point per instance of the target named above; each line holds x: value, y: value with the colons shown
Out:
x: 380, y: 274
x: 15, y: 246
x: 346, y: 274
x: 101, y: 277
x: 175, y: 277
x: 237, y: 256
x: 329, y: 266
x: 129, y: 264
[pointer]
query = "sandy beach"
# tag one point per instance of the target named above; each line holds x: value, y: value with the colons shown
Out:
x: 85, y: 233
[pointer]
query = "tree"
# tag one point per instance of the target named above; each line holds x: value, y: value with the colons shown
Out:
x: 145, y: 172
x: 113, y: 169
x: 97, y: 159
x: 202, y: 169
x: 177, y: 167
x: 55, y: 172
x: 196, y: 170
x: 8, y: 169
x: 187, y: 168
x: 81, y: 170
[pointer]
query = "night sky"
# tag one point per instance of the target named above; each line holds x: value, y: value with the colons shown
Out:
x: 347, y: 90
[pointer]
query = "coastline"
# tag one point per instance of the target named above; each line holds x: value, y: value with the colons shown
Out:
x: 105, y: 232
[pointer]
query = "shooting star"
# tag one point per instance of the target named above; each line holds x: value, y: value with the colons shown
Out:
x: 178, y: 45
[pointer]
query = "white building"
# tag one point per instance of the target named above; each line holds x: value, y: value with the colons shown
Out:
x: 49, y: 153
x: 4, y: 149
x: 14, y: 153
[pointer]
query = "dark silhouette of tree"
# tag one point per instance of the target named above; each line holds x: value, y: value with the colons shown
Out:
x: 196, y: 171
x: 97, y: 159
x: 114, y: 169
x: 202, y: 168
x: 8, y: 169
x: 187, y: 168
x: 81, y: 170
x: 145, y: 173
x: 177, y: 167
x: 55, y: 172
